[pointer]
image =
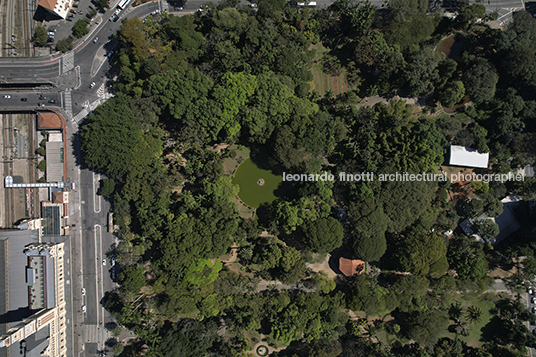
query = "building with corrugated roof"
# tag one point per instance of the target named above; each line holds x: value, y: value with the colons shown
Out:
x: 467, y: 157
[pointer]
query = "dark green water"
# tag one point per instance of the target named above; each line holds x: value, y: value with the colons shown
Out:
x: 251, y: 193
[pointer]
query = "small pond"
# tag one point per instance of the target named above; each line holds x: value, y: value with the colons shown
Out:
x: 256, y: 185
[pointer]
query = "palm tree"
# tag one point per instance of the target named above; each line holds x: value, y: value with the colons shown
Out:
x: 474, y: 313
x: 455, y: 311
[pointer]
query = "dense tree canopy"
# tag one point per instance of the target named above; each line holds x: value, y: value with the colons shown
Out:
x: 195, y: 90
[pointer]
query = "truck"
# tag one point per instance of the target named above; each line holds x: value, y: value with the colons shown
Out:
x: 110, y: 222
x: 123, y: 4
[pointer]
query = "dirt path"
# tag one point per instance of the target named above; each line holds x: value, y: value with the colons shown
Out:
x: 372, y: 101
x: 324, y: 266
x: 335, y: 85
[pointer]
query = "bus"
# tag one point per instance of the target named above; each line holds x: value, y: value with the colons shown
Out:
x: 110, y: 222
x: 123, y: 4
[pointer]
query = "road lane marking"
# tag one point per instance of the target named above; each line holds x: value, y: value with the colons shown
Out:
x: 96, y: 270
x: 96, y: 198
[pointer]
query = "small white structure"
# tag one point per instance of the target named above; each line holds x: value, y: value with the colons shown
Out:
x: 462, y: 156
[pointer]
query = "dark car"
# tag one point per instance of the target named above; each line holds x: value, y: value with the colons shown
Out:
x: 23, y: 99
x: 41, y: 97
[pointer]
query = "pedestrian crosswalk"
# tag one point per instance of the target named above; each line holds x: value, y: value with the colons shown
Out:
x: 68, y: 103
x: 67, y: 62
x: 100, y: 91
x: 95, y: 334
x: 80, y: 115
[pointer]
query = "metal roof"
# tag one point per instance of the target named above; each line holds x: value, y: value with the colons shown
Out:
x: 463, y: 156
x: 50, y: 299
x: 13, y: 263
x: 54, y: 160
x: 51, y: 220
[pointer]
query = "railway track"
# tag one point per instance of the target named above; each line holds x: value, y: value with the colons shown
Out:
x: 7, y: 136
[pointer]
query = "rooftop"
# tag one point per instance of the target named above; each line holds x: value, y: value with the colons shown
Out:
x: 351, y: 267
x: 14, y: 304
x: 48, y: 120
x: 463, y: 156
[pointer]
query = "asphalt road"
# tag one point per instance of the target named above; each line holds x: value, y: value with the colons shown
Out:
x: 31, y: 99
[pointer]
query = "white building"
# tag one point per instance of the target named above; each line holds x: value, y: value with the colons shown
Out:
x: 467, y: 157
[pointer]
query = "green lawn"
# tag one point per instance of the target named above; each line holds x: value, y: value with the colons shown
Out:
x: 485, y: 302
x: 322, y: 82
x: 251, y: 193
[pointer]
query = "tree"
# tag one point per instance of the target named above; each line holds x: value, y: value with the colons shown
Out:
x: 231, y: 94
x: 42, y: 165
x: 288, y: 216
x: 117, y: 349
x: 104, y: 4
x: 117, y: 331
x: 452, y: 93
x: 203, y: 272
x: 409, y: 23
x: 474, y: 314
x: 40, y: 36
x: 420, y: 73
x: 466, y: 256
x: 113, y: 142
x: 369, y: 226
x: 366, y: 295
x: 422, y: 253
x: 65, y: 45
x: 189, y: 338
x: 291, y: 266
x: 80, y: 28
x: 426, y: 327
x: 107, y: 187
x: 486, y: 228
x: 132, y: 278
x: 323, y: 235
x: 469, y: 14
x: 368, y: 247
x: 480, y: 80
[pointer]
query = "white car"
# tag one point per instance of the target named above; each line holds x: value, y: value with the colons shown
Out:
x: 84, y: 309
x: 92, y: 85
x: 533, y: 300
x: 95, y: 40
x: 83, y: 291
x: 113, y: 263
x: 104, y: 262
x: 530, y: 291
x: 7, y: 97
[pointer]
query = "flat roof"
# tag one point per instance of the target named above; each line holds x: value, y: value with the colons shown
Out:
x: 14, y: 299
x: 35, y: 343
x: 54, y: 160
x: 50, y: 299
x: 463, y: 156
x: 51, y: 220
